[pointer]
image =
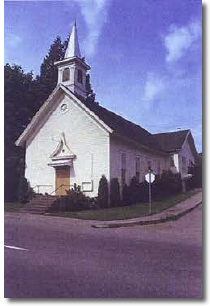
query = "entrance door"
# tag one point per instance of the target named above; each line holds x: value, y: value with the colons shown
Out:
x: 62, y: 178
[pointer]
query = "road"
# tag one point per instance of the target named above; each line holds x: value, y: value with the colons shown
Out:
x: 66, y: 258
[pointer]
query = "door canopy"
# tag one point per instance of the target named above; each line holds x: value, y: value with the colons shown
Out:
x: 62, y: 156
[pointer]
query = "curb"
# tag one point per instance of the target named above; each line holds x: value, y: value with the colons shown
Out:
x: 148, y: 222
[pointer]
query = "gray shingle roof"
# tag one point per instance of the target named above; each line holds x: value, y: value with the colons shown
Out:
x: 123, y: 127
x: 171, y: 141
x: 162, y: 142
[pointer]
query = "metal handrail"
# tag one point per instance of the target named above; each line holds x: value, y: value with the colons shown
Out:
x: 62, y: 185
x: 41, y: 186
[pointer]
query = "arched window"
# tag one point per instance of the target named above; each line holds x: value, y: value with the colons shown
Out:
x: 66, y: 74
x: 79, y: 76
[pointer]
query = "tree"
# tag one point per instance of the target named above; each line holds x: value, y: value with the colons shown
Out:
x: 48, y: 71
x: 115, y: 192
x: 103, y: 192
x: 134, y: 190
x: 196, y: 171
x: 19, y: 107
x: 90, y: 94
x: 126, y: 195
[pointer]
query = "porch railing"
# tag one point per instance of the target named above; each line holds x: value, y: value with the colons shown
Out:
x: 54, y: 192
x: 38, y: 187
x: 62, y: 185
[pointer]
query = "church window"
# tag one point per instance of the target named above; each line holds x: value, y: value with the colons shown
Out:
x: 159, y: 168
x: 123, y: 169
x: 79, y: 76
x: 149, y: 164
x: 138, y: 168
x: 171, y: 161
x: 64, y: 107
x: 66, y: 74
x: 184, y: 163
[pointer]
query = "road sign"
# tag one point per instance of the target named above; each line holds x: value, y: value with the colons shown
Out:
x: 150, y: 177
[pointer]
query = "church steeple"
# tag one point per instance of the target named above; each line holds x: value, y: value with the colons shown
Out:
x: 72, y: 69
x: 73, y: 44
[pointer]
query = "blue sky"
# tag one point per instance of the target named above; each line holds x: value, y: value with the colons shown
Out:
x: 145, y: 55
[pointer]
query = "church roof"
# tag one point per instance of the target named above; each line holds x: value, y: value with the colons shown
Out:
x: 162, y: 142
x: 73, y: 44
x: 119, y: 126
x: 171, y: 141
x: 122, y: 126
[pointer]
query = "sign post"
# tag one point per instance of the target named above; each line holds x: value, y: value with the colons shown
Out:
x: 150, y: 177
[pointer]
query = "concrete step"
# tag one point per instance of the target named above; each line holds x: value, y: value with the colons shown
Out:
x: 42, y: 200
x: 40, y: 204
x: 37, y: 206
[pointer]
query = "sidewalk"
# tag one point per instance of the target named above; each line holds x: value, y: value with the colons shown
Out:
x: 172, y: 213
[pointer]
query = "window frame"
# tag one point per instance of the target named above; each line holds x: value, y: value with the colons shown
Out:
x: 138, y: 162
x: 184, y: 163
x: 67, y: 78
x: 171, y: 161
x: 79, y: 76
x: 149, y: 164
x: 123, y: 168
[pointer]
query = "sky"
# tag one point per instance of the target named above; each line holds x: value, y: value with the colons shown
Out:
x: 145, y: 55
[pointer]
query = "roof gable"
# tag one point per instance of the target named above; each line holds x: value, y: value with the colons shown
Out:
x: 171, y: 141
x: 123, y: 127
x: 48, y: 106
x: 113, y: 123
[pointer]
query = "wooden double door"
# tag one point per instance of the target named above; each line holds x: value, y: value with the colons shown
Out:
x: 62, y: 179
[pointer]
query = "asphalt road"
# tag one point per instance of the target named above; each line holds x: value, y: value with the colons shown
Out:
x: 66, y: 258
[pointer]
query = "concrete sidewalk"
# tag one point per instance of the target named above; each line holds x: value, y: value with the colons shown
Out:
x: 172, y: 213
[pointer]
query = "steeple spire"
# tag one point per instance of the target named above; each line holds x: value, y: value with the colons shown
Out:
x: 72, y: 69
x: 73, y: 44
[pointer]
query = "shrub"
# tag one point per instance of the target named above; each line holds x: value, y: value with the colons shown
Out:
x: 196, y: 180
x: 115, y: 193
x: 25, y: 192
x: 134, y: 191
x: 103, y: 192
x: 126, y: 195
x: 168, y: 184
x: 143, y: 192
x: 75, y: 200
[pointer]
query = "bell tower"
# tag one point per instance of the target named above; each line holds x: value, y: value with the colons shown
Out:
x: 72, y: 69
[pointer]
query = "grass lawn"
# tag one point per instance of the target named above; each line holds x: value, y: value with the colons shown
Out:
x: 13, y: 206
x: 127, y: 212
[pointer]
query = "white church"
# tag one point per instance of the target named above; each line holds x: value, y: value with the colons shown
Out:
x: 70, y: 140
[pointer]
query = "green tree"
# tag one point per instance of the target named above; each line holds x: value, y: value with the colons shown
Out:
x: 90, y: 94
x: 134, y: 190
x: 114, y: 193
x: 126, y: 195
x: 48, y: 71
x: 103, y: 192
x: 19, y: 107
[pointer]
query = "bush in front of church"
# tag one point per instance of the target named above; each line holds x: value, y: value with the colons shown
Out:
x: 115, y: 200
x: 135, y: 191
x: 74, y: 200
x: 103, y: 192
x: 168, y: 184
x: 126, y: 195
x: 25, y: 192
x: 196, y: 176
